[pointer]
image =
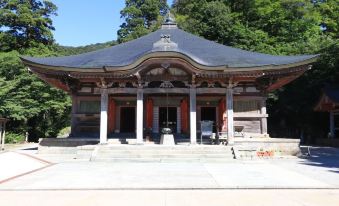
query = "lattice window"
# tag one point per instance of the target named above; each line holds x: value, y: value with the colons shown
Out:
x: 89, y: 107
x: 246, y: 106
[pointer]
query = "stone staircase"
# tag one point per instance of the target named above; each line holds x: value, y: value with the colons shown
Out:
x: 138, y: 153
x: 156, y: 153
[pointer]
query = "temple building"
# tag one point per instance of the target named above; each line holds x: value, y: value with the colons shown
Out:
x: 329, y: 102
x: 169, y: 78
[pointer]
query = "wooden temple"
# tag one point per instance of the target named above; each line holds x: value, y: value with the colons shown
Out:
x: 169, y: 78
x: 329, y: 102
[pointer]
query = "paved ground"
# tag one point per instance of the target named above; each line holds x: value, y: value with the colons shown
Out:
x: 14, y: 164
x: 172, y: 197
x: 298, y: 181
x: 87, y: 175
x: 322, y: 165
x: 319, y: 171
x: 14, y: 147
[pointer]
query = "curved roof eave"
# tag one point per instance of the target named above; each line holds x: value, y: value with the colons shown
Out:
x: 168, y: 54
x: 30, y: 63
x: 201, y: 53
x: 332, y: 94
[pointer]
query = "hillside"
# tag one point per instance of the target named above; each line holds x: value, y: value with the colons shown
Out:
x: 69, y: 50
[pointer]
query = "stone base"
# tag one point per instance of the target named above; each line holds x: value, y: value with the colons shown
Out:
x: 280, y: 146
x: 67, y: 142
x: 167, y: 139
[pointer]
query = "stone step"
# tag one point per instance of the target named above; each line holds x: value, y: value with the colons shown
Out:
x: 65, y: 158
x: 99, y: 155
x: 139, y: 153
x: 55, y: 158
x: 66, y: 142
x: 161, y: 148
x: 164, y: 160
x: 163, y: 152
x: 158, y: 154
x: 56, y: 150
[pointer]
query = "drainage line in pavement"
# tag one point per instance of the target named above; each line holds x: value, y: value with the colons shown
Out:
x: 140, y: 189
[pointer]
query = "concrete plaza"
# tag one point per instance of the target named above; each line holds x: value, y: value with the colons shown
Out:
x: 292, y: 181
x: 106, y: 175
x: 172, y: 197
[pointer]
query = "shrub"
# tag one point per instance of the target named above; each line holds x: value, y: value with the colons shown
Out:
x: 13, y: 138
x: 64, y: 132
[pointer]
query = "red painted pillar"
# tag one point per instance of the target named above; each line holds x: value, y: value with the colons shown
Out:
x: 149, y: 113
x: 184, y: 115
x: 111, y: 115
x: 222, y: 115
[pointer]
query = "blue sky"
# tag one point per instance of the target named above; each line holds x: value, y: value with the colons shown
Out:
x: 82, y: 22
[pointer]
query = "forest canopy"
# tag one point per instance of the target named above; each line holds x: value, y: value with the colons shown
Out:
x: 279, y: 27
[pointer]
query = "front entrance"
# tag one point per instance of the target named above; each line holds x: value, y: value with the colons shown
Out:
x: 209, y: 114
x: 127, y: 119
x: 171, y: 113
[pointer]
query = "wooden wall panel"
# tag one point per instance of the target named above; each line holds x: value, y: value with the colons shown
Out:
x: 222, y: 115
x: 184, y: 115
x: 155, y: 120
x: 149, y: 113
x: 111, y: 115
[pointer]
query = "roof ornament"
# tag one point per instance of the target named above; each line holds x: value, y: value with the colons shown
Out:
x: 169, y: 21
x: 166, y: 38
x: 165, y: 44
x: 166, y: 84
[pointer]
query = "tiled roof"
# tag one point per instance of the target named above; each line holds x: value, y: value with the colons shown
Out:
x: 202, y: 51
x: 332, y: 93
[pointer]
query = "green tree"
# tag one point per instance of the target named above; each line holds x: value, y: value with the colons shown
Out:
x: 269, y: 26
x: 25, y: 23
x: 291, y: 108
x: 282, y: 27
x: 30, y: 104
x: 214, y: 20
x: 329, y: 10
x: 141, y: 17
x: 69, y: 50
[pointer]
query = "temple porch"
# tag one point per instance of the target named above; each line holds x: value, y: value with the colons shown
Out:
x: 184, y: 109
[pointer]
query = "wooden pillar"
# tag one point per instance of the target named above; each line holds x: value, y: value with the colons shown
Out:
x: 229, y: 109
x: 155, y: 119
x: 1, y: 140
x: 103, y: 116
x: 111, y: 115
x: 140, y: 119
x: 193, y: 115
x: 73, y: 115
x: 184, y: 115
x: 332, y: 125
x: 179, y: 120
x: 3, y: 134
x: 263, y: 119
x: 149, y: 113
x: 222, y: 115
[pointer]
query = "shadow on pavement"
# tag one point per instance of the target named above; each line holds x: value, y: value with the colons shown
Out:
x: 30, y: 149
x: 327, y: 157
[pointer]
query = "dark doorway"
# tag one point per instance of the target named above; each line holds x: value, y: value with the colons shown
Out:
x: 127, y: 119
x: 172, y: 118
x: 209, y: 113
